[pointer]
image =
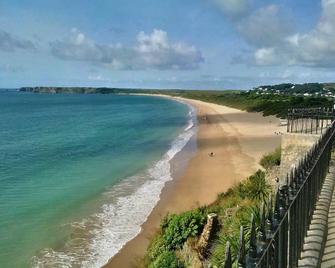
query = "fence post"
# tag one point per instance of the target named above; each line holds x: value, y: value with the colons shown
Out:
x: 269, y: 223
x: 241, y: 254
x: 228, y: 260
x: 261, y: 233
x: 252, y: 255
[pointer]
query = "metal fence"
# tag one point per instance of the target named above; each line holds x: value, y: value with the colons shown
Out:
x: 309, y: 120
x: 278, y: 239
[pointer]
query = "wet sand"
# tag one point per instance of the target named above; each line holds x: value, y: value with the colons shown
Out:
x: 238, y: 140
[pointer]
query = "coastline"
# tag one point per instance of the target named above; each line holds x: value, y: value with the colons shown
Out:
x: 238, y: 140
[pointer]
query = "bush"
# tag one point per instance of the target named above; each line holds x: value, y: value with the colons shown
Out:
x: 219, y: 250
x: 167, y: 259
x: 241, y: 190
x: 256, y: 186
x: 157, y: 247
x: 177, y: 228
x: 272, y: 159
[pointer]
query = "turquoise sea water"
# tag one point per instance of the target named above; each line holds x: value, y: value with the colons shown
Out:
x: 80, y: 173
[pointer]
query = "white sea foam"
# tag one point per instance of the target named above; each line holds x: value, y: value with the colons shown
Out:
x: 101, y: 236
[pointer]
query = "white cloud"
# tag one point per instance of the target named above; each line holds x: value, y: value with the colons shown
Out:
x: 10, y: 43
x: 266, y: 26
x: 155, y: 50
x: 152, y: 51
x: 316, y: 48
x: 265, y: 56
x: 272, y: 37
x: 97, y: 77
x: 313, y: 49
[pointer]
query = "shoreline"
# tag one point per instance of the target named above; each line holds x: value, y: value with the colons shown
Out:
x: 238, y: 139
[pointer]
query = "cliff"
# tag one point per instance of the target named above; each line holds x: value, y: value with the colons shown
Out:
x: 74, y: 90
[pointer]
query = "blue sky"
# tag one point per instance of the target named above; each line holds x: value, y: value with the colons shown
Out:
x: 205, y: 44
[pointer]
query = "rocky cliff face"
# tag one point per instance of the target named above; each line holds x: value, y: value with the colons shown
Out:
x: 207, y: 236
x: 55, y: 90
x: 84, y: 90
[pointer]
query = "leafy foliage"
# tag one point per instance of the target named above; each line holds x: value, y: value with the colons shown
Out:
x: 175, y: 230
x: 167, y: 259
x: 288, y: 88
x: 157, y: 247
x: 218, y: 254
x: 272, y: 159
x: 238, y: 204
x: 230, y: 232
x: 256, y: 186
x: 178, y: 228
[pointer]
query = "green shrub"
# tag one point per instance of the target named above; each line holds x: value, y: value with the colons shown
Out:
x: 256, y: 186
x: 177, y: 228
x: 157, y: 246
x: 167, y: 259
x: 219, y: 250
x: 246, y: 219
x: 231, y: 232
x: 241, y: 190
x: 165, y: 221
x: 228, y: 193
x: 272, y: 159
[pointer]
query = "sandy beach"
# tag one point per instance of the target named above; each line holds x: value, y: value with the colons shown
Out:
x: 238, y: 140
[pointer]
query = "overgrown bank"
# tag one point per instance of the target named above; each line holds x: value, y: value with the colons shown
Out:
x: 176, y: 243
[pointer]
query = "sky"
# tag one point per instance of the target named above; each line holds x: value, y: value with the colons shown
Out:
x: 189, y: 44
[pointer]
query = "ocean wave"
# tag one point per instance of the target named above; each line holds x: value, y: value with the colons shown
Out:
x: 96, y: 239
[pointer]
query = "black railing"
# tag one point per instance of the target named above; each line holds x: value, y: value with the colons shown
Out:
x: 277, y: 240
x: 309, y: 120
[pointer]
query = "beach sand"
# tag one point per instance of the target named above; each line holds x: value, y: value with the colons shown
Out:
x: 238, y: 140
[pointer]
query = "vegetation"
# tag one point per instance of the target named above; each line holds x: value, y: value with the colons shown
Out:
x: 237, y: 204
x: 168, y: 259
x: 272, y: 159
x: 289, y: 88
x: 175, y: 230
x: 235, y: 209
x: 256, y: 187
x: 250, y: 101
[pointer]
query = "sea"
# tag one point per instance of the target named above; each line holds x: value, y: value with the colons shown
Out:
x: 79, y: 174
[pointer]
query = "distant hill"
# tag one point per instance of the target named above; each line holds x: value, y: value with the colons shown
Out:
x: 72, y: 90
x: 330, y: 86
x: 96, y: 90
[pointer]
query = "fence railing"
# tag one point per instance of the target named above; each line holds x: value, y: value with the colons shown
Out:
x: 309, y: 120
x: 278, y: 239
